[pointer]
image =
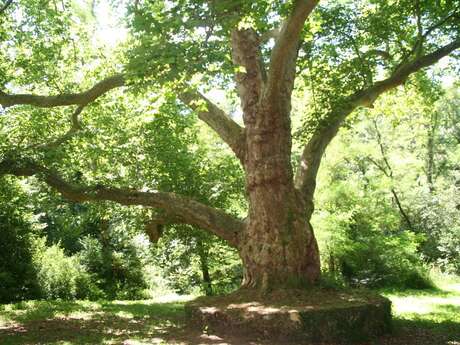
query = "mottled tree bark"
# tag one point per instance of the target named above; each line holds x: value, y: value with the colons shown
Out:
x: 278, y: 247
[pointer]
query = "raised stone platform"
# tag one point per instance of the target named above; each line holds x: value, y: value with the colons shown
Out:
x: 299, y: 316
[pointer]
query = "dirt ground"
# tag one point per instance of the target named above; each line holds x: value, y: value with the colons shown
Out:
x: 420, y: 318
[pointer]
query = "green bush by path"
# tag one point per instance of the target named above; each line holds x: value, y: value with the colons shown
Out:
x: 60, y: 276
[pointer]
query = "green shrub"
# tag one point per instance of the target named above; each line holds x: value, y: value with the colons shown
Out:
x: 118, y: 263
x: 182, y: 265
x: 437, y: 219
x: 60, y: 276
x: 367, y: 244
x: 375, y: 260
x: 17, y: 274
x: 86, y: 287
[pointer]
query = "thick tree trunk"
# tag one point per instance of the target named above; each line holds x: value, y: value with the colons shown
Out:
x: 279, y: 250
x: 278, y: 247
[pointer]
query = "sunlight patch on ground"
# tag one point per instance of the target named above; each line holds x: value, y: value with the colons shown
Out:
x: 124, y: 315
x: 453, y: 288
x: 427, y: 305
x: 418, y: 305
x: 81, y: 315
x: 153, y: 341
x: 170, y: 298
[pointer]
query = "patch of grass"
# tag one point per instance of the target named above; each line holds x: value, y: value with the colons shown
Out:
x: 83, y: 322
x: 430, y: 317
x: 436, y: 311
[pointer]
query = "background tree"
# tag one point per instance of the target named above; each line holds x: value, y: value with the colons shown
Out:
x: 18, y: 277
x: 365, y: 238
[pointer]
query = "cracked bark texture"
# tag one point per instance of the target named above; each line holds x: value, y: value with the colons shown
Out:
x: 278, y: 247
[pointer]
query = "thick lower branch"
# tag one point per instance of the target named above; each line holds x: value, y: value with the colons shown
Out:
x: 187, y: 210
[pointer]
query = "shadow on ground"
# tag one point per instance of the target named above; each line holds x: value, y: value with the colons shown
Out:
x: 139, y: 323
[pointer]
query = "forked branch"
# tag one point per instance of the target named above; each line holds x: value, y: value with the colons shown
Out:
x: 285, y: 50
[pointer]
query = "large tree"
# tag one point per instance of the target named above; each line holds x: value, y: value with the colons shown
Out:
x: 343, y: 53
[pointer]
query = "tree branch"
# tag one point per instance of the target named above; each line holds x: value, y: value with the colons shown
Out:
x: 368, y: 96
x: 394, y: 193
x: 82, y: 98
x: 454, y: 14
x: 383, y: 151
x: 387, y: 170
x: 76, y: 126
x: 188, y: 210
x: 250, y: 73
x: 378, y: 52
x: 5, y: 6
x: 228, y: 130
x: 310, y: 160
x: 225, y: 127
x: 305, y: 179
x: 285, y: 50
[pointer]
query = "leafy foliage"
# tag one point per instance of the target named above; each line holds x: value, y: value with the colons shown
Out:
x: 17, y: 272
x: 381, y: 219
x: 60, y: 276
x: 117, y: 262
x: 368, y: 247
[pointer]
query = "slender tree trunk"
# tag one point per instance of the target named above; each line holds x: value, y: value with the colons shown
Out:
x: 278, y: 247
x: 430, y: 166
x: 203, y: 255
x: 401, y: 209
